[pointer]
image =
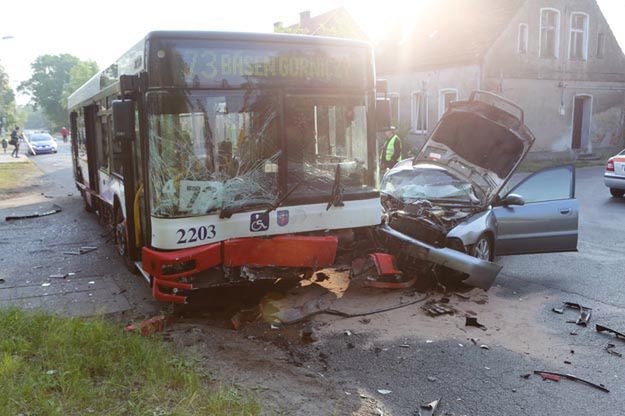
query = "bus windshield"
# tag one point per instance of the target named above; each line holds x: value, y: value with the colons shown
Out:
x: 212, y: 151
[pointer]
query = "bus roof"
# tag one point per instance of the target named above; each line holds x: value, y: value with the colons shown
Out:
x: 133, y: 61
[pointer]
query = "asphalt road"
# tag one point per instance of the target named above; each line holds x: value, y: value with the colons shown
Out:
x: 475, y: 381
x: 94, y: 282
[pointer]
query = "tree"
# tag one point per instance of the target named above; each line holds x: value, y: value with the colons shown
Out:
x: 78, y: 75
x: 53, y: 78
x: 7, y: 101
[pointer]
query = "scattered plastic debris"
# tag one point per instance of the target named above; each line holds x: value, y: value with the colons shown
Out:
x: 550, y: 375
x: 348, y: 333
x: 149, y: 326
x: 610, y: 350
x: 51, y: 372
x: 472, y: 321
x: 567, y: 362
x: 45, y: 284
x: 53, y: 211
x: 484, y: 347
x: 58, y: 276
x: 429, y: 409
x: 404, y: 346
x: 526, y: 376
x: 87, y: 249
x: 384, y: 391
x: 602, y: 328
x: 438, y: 308
x: 432, y: 379
x: 462, y: 296
x: 558, y: 310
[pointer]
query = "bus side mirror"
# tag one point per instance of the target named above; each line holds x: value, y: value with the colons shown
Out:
x: 123, y: 120
x: 383, y: 114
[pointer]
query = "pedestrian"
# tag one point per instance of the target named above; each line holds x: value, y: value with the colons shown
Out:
x: 4, y: 144
x: 64, y: 133
x: 15, y: 141
x: 391, y: 152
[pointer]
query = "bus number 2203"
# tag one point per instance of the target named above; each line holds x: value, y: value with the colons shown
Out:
x: 193, y: 234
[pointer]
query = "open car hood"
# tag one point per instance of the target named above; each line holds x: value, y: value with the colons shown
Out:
x: 482, y: 140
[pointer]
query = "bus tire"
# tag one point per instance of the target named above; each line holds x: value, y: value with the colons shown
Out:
x: 121, y: 241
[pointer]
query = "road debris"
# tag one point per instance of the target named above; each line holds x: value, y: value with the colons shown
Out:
x: 438, y: 308
x: 550, y: 375
x: 2, y: 280
x: 244, y: 315
x: 559, y: 310
x: 87, y: 249
x: 584, y: 312
x: 45, y: 284
x: 72, y: 253
x: 484, y: 347
x: 432, y: 379
x: 462, y: 296
x: 149, y: 326
x: 429, y: 409
x: 472, y: 321
x: 610, y: 350
x: 348, y: 333
x: 601, y: 328
x: 384, y: 391
x: 308, y: 335
x: 526, y: 376
x: 56, y: 209
x: 567, y: 362
x: 58, y: 276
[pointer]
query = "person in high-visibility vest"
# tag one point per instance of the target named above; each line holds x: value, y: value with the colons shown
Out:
x: 391, y: 152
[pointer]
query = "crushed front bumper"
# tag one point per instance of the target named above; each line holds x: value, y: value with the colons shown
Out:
x: 481, y: 273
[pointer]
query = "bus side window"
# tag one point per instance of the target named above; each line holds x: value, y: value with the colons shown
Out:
x: 103, y: 141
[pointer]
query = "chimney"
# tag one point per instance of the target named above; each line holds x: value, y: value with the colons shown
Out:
x: 304, y: 17
x: 277, y: 26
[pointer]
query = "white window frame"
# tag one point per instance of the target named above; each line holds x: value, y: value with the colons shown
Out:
x: 441, y: 99
x: 583, y: 31
x: 557, y: 33
x: 524, y: 40
x: 392, y: 95
x: 413, y: 113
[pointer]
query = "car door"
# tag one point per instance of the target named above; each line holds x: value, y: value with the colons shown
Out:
x: 547, y: 222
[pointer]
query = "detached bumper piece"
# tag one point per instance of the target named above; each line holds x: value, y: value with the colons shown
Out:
x: 167, y: 268
x: 481, y: 273
x: 380, y: 271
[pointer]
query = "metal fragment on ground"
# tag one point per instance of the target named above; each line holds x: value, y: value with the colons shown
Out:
x: 584, y: 312
x: 384, y: 391
x: 149, y: 326
x: 558, y: 310
x: 602, y: 328
x: 551, y: 375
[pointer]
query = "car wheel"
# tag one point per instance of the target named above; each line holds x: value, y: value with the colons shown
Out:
x: 617, y: 193
x: 483, y: 249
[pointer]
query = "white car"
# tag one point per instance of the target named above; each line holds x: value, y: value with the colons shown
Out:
x: 614, y: 176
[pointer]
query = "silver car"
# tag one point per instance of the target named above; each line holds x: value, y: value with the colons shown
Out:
x: 614, y: 175
x: 447, y: 206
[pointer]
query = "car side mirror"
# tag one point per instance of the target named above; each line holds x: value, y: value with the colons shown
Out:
x: 123, y: 120
x: 512, y: 199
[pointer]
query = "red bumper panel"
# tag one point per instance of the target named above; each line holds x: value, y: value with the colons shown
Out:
x: 282, y: 251
x: 385, y: 263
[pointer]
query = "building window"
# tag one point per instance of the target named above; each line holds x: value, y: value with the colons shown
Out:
x: 523, y: 38
x: 549, y: 36
x: 394, y: 98
x: 445, y: 97
x: 600, y: 45
x: 419, y: 112
x: 578, y: 40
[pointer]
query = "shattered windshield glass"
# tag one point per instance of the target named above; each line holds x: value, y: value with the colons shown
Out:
x: 212, y: 151
x: 427, y: 183
x: 321, y: 133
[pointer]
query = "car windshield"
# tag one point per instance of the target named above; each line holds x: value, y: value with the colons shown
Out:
x: 431, y: 183
x: 40, y: 138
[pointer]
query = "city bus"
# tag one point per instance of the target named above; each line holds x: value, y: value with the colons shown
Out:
x: 223, y: 158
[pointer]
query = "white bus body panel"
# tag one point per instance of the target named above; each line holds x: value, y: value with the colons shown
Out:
x: 177, y: 233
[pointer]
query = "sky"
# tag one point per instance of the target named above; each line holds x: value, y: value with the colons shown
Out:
x: 102, y: 31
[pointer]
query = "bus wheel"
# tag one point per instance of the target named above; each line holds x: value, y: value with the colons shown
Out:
x: 121, y: 241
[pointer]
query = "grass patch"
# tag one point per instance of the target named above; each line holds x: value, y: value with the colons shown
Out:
x: 16, y: 176
x: 72, y: 366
